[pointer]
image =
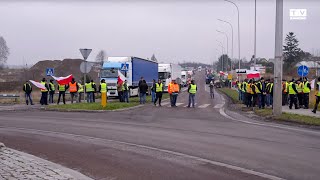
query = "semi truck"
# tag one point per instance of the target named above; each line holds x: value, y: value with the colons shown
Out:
x: 130, y: 69
x: 168, y: 72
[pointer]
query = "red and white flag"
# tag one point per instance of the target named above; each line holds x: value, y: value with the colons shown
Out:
x: 37, y: 84
x: 253, y: 74
x: 121, y: 77
x: 63, y: 80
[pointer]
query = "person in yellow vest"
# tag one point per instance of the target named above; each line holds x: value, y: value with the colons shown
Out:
x: 284, y: 92
x: 94, y: 91
x: 267, y: 83
x: 159, y: 89
x: 80, y: 91
x: 51, y: 91
x: 249, y: 93
x: 317, y: 96
x: 292, y: 90
x: 244, y: 90
x: 103, y: 88
x: 306, y: 92
x: 62, y: 92
x: 73, y: 89
x: 125, y: 91
x: 192, y: 89
x: 89, y: 90
x: 299, y: 87
x: 44, y: 92
x: 255, y: 93
x: 239, y: 85
x: 270, y: 91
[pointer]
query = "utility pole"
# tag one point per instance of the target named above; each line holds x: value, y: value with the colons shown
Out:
x: 277, y: 93
x: 255, y: 34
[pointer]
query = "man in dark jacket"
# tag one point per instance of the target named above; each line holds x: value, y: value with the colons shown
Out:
x: 51, y: 91
x: 44, y: 92
x: 27, y: 88
x: 143, y: 91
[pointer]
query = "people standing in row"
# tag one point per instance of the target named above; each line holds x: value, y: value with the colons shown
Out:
x: 51, y: 91
x: 317, y: 96
x: 89, y: 90
x: 27, y: 88
x: 158, y: 89
x: 62, y: 92
x: 44, y: 92
x: 125, y: 91
x: 192, y: 89
x: 175, y: 88
x: 80, y: 91
x: 143, y: 87
x: 73, y: 89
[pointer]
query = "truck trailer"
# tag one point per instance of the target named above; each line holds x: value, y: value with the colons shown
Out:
x: 131, y: 69
x: 168, y: 72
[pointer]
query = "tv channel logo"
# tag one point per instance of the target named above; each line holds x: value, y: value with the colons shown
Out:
x: 298, y: 14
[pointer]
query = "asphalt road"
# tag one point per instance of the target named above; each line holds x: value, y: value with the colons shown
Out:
x: 166, y: 143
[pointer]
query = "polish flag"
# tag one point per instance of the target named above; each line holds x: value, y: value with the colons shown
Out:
x: 63, y: 80
x: 221, y: 73
x: 121, y: 77
x: 37, y: 84
x: 253, y: 74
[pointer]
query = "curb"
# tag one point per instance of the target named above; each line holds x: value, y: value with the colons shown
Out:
x: 83, y: 110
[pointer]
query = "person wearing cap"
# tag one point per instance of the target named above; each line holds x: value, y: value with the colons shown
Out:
x: 292, y: 90
x: 44, y: 92
x: 306, y: 92
x: 317, y: 96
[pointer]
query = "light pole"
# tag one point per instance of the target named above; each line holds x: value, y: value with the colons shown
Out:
x: 277, y: 94
x: 227, y: 46
x: 255, y: 34
x: 222, y: 56
x: 231, y: 35
x: 238, y: 29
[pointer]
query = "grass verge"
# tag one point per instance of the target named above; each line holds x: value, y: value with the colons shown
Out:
x: 94, y: 106
x: 233, y: 94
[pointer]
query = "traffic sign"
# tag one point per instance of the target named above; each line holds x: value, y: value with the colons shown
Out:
x: 303, y: 70
x: 85, y: 68
x: 124, y: 67
x: 85, y: 53
x: 50, y: 71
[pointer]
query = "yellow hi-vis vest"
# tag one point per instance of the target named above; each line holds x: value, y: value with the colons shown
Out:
x: 249, y: 89
x: 103, y: 87
x: 239, y: 86
x: 159, y: 87
x: 124, y: 87
x: 89, y: 87
x: 44, y: 90
x: 52, y: 86
x: 270, y: 89
x: 80, y: 90
x: 290, y: 89
x: 244, y: 86
x: 318, y: 84
x: 299, y: 87
x: 305, y: 87
x: 62, y: 87
x: 257, y: 89
x: 193, y: 89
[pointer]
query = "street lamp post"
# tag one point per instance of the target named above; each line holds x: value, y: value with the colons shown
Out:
x: 255, y: 34
x: 277, y: 94
x: 227, y: 46
x: 222, y: 56
x: 238, y: 28
x: 231, y: 35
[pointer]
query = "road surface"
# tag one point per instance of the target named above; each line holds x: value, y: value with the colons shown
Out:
x: 206, y: 142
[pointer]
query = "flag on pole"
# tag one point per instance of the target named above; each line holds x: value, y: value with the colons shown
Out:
x: 121, y: 77
x: 37, y: 84
x: 253, y: 74
x: 63, y: 80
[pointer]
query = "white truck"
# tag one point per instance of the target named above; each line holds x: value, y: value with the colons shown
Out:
x: 170, y: 71
x: 184, y: 77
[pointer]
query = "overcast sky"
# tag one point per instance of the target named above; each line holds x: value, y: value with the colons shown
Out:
x: 173, y: 30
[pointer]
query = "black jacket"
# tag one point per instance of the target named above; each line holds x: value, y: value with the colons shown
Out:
x: 27, y: 88
x: 143, y: 87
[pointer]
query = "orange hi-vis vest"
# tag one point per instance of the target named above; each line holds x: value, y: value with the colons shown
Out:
x: 170, y: 88
x: 73, y: 87
x: 175, y: 88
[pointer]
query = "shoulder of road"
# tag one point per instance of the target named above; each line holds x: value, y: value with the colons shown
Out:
x: 19, y: 165
x: 296, y: 116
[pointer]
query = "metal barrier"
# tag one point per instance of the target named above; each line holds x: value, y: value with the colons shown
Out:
x: 10, y: 96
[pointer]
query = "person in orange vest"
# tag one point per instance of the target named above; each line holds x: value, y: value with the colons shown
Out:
x: 170, y: 92
x: 175, y: 88
x: 73, y: 89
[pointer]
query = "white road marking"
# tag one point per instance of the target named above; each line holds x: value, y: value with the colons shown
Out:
x: 221, y: 164
x: 165, y: 103
x: 218, y: 106
x: 178, y: 104
x: 204, y: 105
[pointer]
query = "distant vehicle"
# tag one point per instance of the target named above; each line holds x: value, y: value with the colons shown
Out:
x: 184, y: 77
x: 199, y: 68
x: 167, y: 72
x: 132, y: 69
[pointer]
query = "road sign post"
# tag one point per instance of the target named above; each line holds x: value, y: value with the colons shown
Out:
x: 50, y: 71
x: 85, y: 54
x: 303, y: 71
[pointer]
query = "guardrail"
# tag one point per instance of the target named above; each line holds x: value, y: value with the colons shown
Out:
x: 10, y: 96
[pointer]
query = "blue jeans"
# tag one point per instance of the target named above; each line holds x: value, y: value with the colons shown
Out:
x: 174, y: 98
x: 126, y: 96
x: 191, y: 99
x: 262, y: 98
x: 153, y: 96
x: 240, y: 95
x: 28, y: 97
x: 143, y: 98
x: 89, y: 97
x: 271, y: 100
x: 268, y: 99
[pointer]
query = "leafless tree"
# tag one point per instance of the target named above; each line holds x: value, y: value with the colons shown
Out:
x: 4, y: 52
x: 153, y: 58
x: 100, y: 57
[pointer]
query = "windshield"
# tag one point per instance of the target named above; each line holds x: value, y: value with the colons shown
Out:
x: 109, y: 73
x: 163, y: 75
